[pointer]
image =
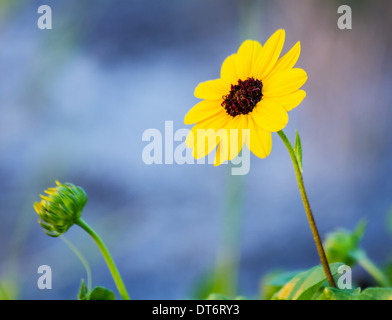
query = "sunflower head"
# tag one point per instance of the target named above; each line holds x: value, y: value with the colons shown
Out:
x: 255, y: 91
x: 243, y: 97
x: 60, y: 208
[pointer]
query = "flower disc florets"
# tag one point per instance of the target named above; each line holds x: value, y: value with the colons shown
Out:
x: 243, y: 97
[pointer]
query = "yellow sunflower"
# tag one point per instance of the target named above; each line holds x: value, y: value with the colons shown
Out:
x: 250, y: 100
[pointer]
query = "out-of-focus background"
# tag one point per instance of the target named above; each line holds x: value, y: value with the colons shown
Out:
x: 75, y: 101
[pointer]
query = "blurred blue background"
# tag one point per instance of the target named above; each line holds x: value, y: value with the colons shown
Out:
x: 75, y: 101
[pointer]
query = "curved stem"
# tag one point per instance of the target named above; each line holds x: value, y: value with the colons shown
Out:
x: 308, y: 210
x: 81, y: 258
x: 112, y: 266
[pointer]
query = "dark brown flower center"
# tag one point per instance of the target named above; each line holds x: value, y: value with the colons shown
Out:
x: 243, y: 97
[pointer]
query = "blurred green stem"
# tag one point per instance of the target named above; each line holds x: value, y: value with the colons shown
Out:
x: 226, y: 269
x: 363, y: 260
x: 81, y: 258
x: 3, y: 293
x: 308, y: 210
x: 112, y: 266
x: 228, y: 257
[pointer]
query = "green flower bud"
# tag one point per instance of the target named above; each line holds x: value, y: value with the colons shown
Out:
x: 61, y: 208
x: 343, y: 245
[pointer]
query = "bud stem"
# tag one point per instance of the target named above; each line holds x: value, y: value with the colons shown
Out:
x: 308, y: 210
x: 112, y: 266
x: 81, y: 258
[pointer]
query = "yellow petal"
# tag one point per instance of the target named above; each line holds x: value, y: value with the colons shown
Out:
x: 283, y: 83
x: 221, y: 155
x: 234, y: 132
x: 228, y: 70
x: 248, y: 53
x: 203, y: 136
x: 269, y: 54
x: 204, y: 142
x: 270, y: 116
x: 212, y: 89
x: 288, y: 61
x: 290, y: 101
x: 203, y: 110
x: 232, y: 140
x: 259, y: 140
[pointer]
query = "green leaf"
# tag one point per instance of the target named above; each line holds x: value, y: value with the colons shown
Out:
x: 305, y: 285
x: 343, y: 245
x: 216, y: 296
x: 387, y: 269
x: 359, y: 231
x: 376, y: 294
x: 101, y: 293
x: 83, y: 291
x: 98, y: 293
x: 274, y: 281
x: 368, y: 294
x: 357, y: 290
x: 298, y: 150
x: 330, y: 293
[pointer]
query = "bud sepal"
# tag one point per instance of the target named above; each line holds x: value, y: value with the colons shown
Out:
x: 61, y: 208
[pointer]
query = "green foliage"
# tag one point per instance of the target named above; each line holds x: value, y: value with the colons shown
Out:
x: 215, y: 296
x: 298, y: 150
x: 388, y: 270
x: 312, y: 285
x: 203, y: 286
x: 205, y: 289
x: 305, y: 286
x: 368, y: 294
x: 337, y: 294
x: 376, y: 294
x: 342, y: 248
x: 9, y: 289
x: 274, y: 281
x: 83, y: 291
x: 342, y: 245
x: 101, y: 293
x: 98, y: 293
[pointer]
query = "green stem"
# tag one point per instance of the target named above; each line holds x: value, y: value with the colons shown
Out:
x: 3, y: 294
x: 370, y: 267
x: 228, y: 257
x: 112, y: 266
x: 81, y: 258
x: 308, y: 210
